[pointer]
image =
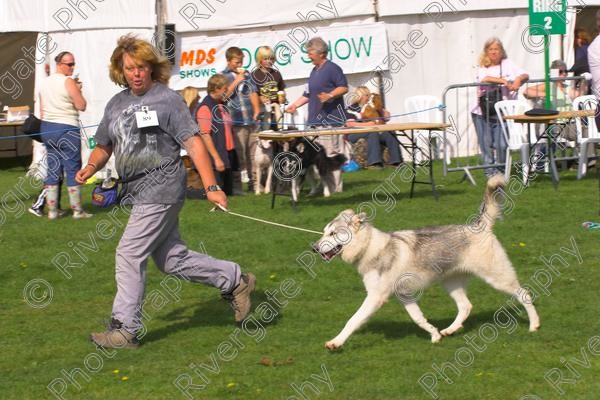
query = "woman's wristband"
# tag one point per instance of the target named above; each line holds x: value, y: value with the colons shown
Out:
x: 92, y: 165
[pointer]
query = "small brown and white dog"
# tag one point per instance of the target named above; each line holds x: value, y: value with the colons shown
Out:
x: 373, y: 110
x: 263, y: 162
x: 406, y: 262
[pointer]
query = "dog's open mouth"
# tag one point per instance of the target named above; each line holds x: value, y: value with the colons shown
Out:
x: 328, y: 255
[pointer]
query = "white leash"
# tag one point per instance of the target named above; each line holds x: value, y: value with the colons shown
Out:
x: 263, y: 221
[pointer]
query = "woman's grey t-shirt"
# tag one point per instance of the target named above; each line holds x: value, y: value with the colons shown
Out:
x: 153, y: 151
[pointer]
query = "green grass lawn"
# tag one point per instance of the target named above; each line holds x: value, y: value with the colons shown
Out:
x: 283, y: 343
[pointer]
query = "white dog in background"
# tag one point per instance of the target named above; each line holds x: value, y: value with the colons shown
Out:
x: 263, y: 162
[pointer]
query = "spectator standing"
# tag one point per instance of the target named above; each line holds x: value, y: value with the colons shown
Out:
x: 581, y: 66
x: 269, y: 83
x: 37, y: 207
x: 194, y: 186
x: 326, y: 87
x: 190, y: 96
x: 594, y: 65
x: 216, y: 129
x: 582, y: 43
x: 495, y: 67
x: 243, y: 104
x: 61, y: 101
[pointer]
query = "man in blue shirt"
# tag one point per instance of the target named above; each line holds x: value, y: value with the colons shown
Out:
x: 326, y: 87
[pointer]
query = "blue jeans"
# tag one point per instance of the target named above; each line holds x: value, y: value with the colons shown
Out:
x: 374, y: 142
x: 63, y: 143
x: 490, y: 137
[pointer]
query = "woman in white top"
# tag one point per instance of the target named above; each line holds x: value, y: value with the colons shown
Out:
x: 61, y: 100
x: 495, y: 67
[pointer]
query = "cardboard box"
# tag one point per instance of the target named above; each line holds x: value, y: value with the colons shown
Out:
x: 19, y: 113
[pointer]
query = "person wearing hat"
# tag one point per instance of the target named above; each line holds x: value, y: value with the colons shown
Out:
x: 359, y: 100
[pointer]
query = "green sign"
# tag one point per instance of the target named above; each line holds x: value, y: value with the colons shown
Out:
x: 547, y: 17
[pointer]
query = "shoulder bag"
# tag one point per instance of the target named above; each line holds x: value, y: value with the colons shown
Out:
x: 488, y: 99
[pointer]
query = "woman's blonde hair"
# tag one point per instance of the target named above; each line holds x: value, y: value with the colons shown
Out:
x: 264, y: 52
x: 189, y: 94
x: 484, y: 59
x: 141, y: 51
x: 354, y: 97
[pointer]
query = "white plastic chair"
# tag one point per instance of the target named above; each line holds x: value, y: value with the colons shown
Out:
x: 514, y: 133
x: 585, y: 103
x: 425, y: 102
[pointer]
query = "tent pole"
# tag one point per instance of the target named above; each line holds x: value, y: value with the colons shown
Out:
x: 378, y: 77
x: 160, y: 26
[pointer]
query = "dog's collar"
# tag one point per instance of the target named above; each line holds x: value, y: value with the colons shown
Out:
x: 358, y: 115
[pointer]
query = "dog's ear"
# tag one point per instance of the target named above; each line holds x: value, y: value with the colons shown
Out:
x: 346, y: 215
x: 378, y: 104
x: 358, y: 220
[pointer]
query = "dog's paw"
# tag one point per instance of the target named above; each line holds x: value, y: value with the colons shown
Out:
x: 333, y: 345
x: 534, y: 327
x: 449, y: 331
x: 436, y: 337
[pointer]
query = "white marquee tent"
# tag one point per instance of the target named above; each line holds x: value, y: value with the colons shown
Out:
x: 423, y: 46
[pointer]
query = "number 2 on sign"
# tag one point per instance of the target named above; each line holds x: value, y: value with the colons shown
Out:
x: 548, y: 23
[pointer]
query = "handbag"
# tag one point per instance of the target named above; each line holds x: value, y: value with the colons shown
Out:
x: 106, y: 194
x: 488, y: 100
x: 31, y: 127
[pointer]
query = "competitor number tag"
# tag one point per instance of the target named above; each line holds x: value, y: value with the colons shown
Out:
x: 146, y: 118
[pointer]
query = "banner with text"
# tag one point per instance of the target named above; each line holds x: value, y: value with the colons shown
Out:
x: 355, y: 48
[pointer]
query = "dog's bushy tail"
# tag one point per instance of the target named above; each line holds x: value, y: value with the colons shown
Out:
x: 328, y: 164
x: 491, y: 207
